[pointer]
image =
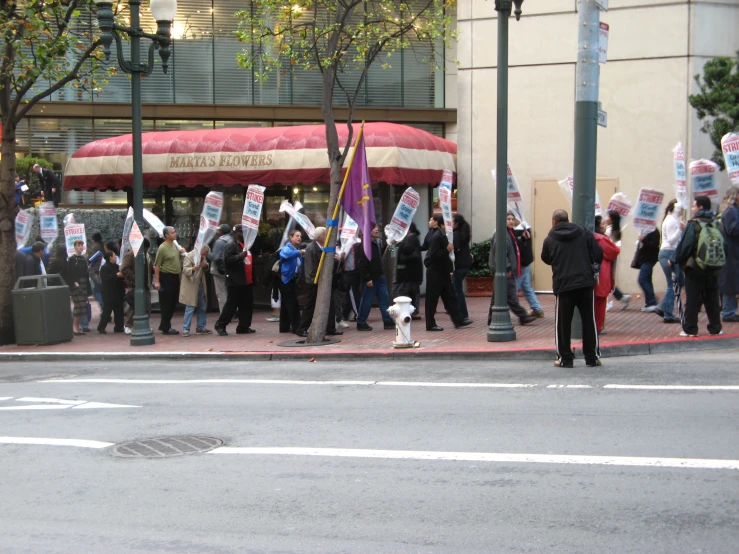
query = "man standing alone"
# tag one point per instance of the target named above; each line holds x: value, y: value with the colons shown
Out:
x: 167, y: 279
x: 573, y: 254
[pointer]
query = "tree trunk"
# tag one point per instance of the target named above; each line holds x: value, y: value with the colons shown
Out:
x: 317, y: 330
x: 7, y: 231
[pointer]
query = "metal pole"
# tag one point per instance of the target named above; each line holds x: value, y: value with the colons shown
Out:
x: 501, y: 328
x: 141, y: 334
x: 586, y: 123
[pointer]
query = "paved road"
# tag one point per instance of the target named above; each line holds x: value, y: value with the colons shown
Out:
x: 375, y: 457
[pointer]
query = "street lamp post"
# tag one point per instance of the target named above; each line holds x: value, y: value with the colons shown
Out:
x: 163, y: 12
x: 501, y: 328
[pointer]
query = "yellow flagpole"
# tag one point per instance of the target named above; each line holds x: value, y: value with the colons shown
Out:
x: 338, y: 201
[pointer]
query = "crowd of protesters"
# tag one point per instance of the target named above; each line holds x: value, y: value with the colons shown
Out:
x: 359, y: 281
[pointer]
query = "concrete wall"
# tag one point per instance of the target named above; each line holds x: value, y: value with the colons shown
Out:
x: 655, y: 49
x: 108, y: 222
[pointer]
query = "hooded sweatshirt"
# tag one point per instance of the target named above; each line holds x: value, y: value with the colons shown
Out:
x: 568, y: 249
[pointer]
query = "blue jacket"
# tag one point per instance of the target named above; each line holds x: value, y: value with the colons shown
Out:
x: 289, y: 262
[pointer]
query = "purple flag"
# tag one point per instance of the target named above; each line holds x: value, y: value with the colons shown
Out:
x: 357, y: 200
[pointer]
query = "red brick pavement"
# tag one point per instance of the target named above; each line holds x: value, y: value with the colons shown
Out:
x: 625, y: 327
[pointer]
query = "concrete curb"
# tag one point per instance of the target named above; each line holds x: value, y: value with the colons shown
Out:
x: 521, y: 354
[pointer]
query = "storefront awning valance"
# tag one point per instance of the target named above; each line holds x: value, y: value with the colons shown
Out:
x: 397, y: 154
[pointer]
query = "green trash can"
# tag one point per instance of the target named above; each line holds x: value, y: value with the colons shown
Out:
x: 41, y: 310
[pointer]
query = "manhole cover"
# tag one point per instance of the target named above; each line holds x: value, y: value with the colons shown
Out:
x: 165, y: 447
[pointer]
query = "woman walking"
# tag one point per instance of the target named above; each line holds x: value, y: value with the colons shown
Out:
x: 672, y: 229
x: 613, y: 232
x: 462, y: 260
x: 646, y: 258
x: 409, y: 270
x: 78, y: 279
x: 606, y: 277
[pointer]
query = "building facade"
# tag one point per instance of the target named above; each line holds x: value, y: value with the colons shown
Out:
x: 655, y: 48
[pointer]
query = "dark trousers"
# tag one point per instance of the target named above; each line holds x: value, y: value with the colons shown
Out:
x: 131, y: 301
x: 512, y: 299
x: 116, y: 308
x: 289, y: 308
x: 353, y: 295
x: 169, y: 294
x: 439, y: 285
x: 410, y: 289
x: 307, y: 317
x: 584, y: 301
x: 239, y: 298
x: 701, y: 289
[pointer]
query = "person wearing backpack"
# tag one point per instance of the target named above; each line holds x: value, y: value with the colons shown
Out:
x: 217, y: 265
x: 728, y: 279
x: 701, y: 254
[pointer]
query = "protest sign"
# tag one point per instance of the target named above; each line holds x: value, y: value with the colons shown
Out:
x: 23, y: 224
x: 68, y: 219
x: 398, y: 227
x: 515, y: 200
x: 210, y: 218
x: 567, y: 186
x: 445, y: 201
x: 620, y: 204
x: 206, y: 232
x: 730, y: 148
x: 348, y: 236
x: 681, y: 177
x: 156, y: 224
x: 447, y: 177
x: 135, y: 238
x: 74, y: 232
x: 251, y: 214
x: 125, y: 244
x: 299, y: 218
x: 648, y: 209
x: 703, y: 177
x: 47, y: 222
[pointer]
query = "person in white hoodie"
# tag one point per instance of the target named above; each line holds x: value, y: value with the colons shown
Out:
x: 672, y: 230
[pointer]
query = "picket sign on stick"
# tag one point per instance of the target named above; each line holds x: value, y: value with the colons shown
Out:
x: 72, y: 233
x: 210, y: 218
x: 136, y: 239
x: 398, y: 227
x: 290, y: 225
x: 348, y: 237
x: 23, y: 224
x: 299, y: 218
x: 648, y: 210
x: 567, y: 186
x: 622, y: 205
x: 703, y: 176
x: 157, y: 224
x: 445, y: 201
x: 127, y: 224
x: 47, y: 222
x: 681, y: 177
x: 514, y: 198
x: 730, y: 148
x: 252, y: 213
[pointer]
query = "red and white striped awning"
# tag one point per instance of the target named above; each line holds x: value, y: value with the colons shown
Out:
x: 397, y: 154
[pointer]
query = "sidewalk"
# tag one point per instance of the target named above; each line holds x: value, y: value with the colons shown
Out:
x: 629, y: 332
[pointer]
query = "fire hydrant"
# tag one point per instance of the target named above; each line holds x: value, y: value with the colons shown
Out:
x: 402, y: 311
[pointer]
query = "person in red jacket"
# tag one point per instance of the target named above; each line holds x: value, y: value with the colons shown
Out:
x: 607, y: 277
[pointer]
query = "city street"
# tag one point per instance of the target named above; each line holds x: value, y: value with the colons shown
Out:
x: 640, y: 455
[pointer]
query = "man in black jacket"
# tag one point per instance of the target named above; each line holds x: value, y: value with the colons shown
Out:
x: 409, y: 270
x: 311, y: 260
x: 239, y: 286
x: 374, y: 284
x: 50, y: 184
x: 573, y: 254
x: 438, y: 276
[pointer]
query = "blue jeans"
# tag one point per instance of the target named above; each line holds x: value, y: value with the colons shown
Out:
x: 645, y: 282
x: 730, y: 305
x: 668, y: 302
x: 379, y: 288
x: 189, y: 310
x: 524, y: 283
x: 459, y: 276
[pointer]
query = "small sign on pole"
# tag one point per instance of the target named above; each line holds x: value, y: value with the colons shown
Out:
x: 602, y: 117
x: 603, y: 47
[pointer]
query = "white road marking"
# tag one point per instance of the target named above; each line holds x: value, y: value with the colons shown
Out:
x: 674, y: 387
x: 5, y: 397
x: 80, y: 443
x: 422, y: 384
x: 59, y: 404
x: 683, y: 463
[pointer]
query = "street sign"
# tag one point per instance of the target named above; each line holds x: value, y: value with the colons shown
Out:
x: 602, y: 118
x: 603, y: 46
x: 59, y: 404
x: 602, y: 4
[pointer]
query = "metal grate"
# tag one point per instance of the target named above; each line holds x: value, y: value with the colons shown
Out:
x: 165, y: 447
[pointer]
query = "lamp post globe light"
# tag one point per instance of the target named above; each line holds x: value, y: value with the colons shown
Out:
x: 501, y: 328
x: 163, y: 12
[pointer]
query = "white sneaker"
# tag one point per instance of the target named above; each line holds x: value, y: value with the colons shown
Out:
x: 273, y: 319
x: 127, y: 330
x: 625, y: 299
x: 609, y: 306
x: 684, y: 334
x: 650, y: 309
x: 716, y: 334
x: 343, y: 324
